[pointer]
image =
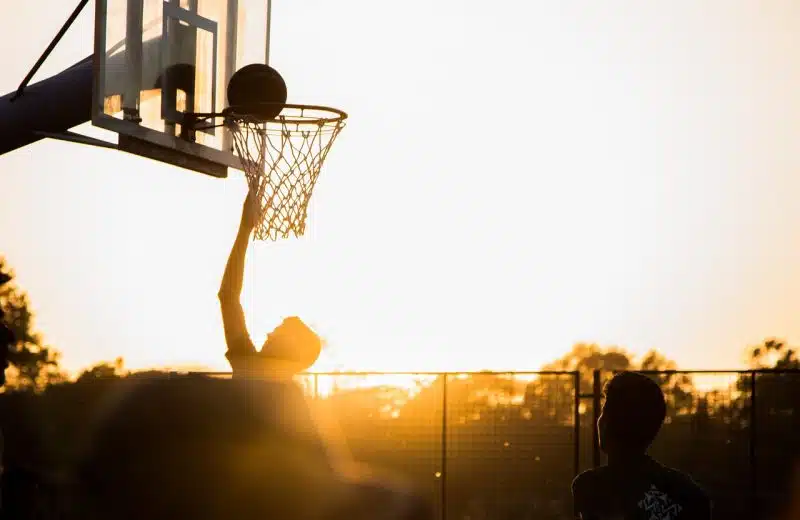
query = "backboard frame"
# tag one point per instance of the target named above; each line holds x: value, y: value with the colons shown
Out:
x: 152, y: 143
x: 174, y: 13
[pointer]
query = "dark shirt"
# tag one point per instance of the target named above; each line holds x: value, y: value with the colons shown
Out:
x: 644, y: 490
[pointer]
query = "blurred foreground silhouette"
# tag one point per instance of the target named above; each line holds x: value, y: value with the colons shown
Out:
x: 198, y: 447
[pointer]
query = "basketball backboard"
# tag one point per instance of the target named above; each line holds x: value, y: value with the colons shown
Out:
x: 157, y: 59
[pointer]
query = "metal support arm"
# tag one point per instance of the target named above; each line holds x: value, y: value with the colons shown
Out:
x: 49, y: 49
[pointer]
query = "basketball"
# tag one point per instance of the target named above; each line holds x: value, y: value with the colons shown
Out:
x: 259, y: 90
x: 180, y: 76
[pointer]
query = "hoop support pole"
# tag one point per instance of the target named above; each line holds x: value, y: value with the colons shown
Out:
x: 73, y: 137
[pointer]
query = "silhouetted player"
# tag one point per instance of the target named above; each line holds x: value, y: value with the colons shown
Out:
x: 633, y: 486
x: 291, y: 348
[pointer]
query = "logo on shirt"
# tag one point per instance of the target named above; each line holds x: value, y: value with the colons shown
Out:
x: 658, y: 505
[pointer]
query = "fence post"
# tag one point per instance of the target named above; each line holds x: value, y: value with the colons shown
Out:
x: 577, y: 423
x: 597, y: 391
x: 443, y: 476
x: 577, y: 434
x: 753, y: 461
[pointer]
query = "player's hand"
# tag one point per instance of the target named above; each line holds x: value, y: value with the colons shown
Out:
x: 250, y: 211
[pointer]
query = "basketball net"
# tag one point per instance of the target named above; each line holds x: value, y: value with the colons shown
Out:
x: 281, y: 159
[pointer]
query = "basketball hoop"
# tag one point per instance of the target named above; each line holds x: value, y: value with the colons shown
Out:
x: 281, y: 159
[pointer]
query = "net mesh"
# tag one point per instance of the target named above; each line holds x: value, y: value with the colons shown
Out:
x: 281, y: 159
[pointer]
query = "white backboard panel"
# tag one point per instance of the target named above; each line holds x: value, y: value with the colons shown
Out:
x: 158, y: 59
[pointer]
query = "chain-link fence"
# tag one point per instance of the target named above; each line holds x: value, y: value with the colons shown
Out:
x: 480, y: 445
x: 734, y: 432
x: 503, y: 446
x: 506, y: 445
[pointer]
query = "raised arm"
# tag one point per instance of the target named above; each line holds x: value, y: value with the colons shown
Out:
x: 236, y: 335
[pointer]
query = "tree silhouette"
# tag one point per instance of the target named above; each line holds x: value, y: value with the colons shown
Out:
x: 588, y: 357
x: 103, y: 370
x: 33, y: 364
x: 773, y: 353
x: 678, y: 387
x: 776, y: 397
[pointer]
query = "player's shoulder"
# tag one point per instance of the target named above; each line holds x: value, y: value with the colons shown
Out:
x: 684, y: 484
x: 589, y: 479
x: 682, y: 478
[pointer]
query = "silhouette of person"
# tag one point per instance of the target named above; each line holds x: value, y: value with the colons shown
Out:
x: 633, y: 486
x: 204, y: 448
x: 291, y: 348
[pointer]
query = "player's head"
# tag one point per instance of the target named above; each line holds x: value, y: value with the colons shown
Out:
x: 294, y: 343
x: 633, y: 412
x: 200, y: 448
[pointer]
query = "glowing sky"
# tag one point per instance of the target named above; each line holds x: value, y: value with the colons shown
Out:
x: 515, y: 177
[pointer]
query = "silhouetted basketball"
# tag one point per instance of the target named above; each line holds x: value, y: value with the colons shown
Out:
x: 180, y: 76
x: 257, y: 89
